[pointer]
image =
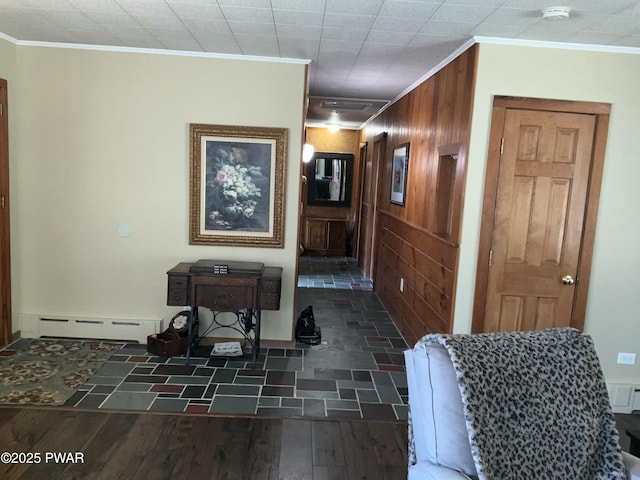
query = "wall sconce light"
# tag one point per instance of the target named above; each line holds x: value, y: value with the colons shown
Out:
x: 307, y: 152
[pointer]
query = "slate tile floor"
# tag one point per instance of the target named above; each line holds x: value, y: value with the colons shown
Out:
x: 357, y: 371
x: 331, y: 272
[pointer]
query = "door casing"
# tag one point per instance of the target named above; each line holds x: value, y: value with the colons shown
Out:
x: 369, y: 207
x: 5, y: 235
x: 601, y: 111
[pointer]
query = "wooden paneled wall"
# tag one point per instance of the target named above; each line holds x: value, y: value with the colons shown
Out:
x: 414, y: 243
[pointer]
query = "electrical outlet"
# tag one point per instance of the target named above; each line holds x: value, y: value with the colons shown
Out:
x: 626, y: 358
x: 402, y: 284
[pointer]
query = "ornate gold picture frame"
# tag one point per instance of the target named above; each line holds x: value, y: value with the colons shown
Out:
x: 237, y: 179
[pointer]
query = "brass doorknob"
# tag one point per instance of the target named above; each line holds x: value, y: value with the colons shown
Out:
x: 568, y: 280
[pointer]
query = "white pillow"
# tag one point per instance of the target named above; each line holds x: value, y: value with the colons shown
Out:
x: 439, y: 427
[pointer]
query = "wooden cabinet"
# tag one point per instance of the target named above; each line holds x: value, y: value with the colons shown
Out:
x: 325, y: 237
x: 196, y: 284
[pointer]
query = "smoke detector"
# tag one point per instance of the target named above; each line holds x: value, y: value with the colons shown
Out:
x: 556, y: 13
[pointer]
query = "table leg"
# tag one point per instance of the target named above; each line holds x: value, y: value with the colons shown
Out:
x: 193, y: 331
x: 256, y: 342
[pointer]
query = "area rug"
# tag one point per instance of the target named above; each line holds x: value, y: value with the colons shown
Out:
x: 48, y: 372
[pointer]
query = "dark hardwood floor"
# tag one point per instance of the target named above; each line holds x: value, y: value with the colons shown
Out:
x: 117, y: 445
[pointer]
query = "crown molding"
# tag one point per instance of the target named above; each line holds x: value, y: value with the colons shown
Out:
x: 587, y: 47
x: 8, y: 38
x: 153, y: 51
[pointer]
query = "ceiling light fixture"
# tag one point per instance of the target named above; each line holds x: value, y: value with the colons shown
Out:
x: 556, y: 13
x: 333, y: 125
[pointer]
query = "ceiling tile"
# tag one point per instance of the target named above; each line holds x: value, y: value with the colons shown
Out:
x: 599, y: 6
x: 251, y: 28
x: 209, y: 11
x: 530, y: 4
x: 357, y: 7
x: 629, y: 41
x: 42, y: 4
x: 493, y: 30
x: 299, y: 5
x: 261, y: 45
x: 225, y: 47
x: 467, y: 3
x: 204, y: 25
x: 398, y: 24
x: 245, y: 14
x: 177, y: 40
x: 409, y: 9
x: 103, y: 6
x: 344, y: 34
x: 389, y: 38
x: 462, y: 13
x: 136, y: 37
x: 155, y: 21
x: 122, y: 19
x: 299, y: 31
x: 510, y: 16
x: 299, y: 47
x: 615, y: 25
x: 448, y: 28
x: 246, y: 3
x: 595, y: 38
x: 300, y: 18
x: 146, y: 7
x: 344, y: 21
x: 378, y: 53
x: 338, y: 46
x: 434, y: 41
x: 210, y: 37
x: 332, y: 59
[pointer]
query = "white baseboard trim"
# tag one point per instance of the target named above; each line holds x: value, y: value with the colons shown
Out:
x: 73, y: 326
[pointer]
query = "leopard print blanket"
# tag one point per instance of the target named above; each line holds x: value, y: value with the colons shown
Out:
x: 536, y: 405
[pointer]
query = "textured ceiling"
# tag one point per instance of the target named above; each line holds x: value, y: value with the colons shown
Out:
x: 359, y: 49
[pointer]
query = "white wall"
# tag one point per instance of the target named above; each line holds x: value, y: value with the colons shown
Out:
x: 613, y: 317
x: 103, y: 139
x: 8, y: 53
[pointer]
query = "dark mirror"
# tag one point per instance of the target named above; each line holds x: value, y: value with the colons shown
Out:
x: 329, y: 177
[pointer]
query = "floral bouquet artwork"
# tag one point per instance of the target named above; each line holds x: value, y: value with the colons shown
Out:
x: 237, y: 178
x: 237, y: 188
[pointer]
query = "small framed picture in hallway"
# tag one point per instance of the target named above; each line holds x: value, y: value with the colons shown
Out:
x: 399, y: 174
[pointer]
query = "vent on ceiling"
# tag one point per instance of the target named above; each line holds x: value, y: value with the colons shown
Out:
x: 345, y: 105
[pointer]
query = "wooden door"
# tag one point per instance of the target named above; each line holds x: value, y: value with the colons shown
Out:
x: 538, y: 230
x: 5, y: 254
x: 369, y: 206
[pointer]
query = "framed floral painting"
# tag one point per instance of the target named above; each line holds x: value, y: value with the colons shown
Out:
x: 237, y: 185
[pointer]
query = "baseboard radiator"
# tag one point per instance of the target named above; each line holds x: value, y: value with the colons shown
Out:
x: 624, y: 397
x: 103, y: 328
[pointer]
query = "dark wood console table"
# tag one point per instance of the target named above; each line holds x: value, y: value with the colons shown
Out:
x: 243, y: 288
